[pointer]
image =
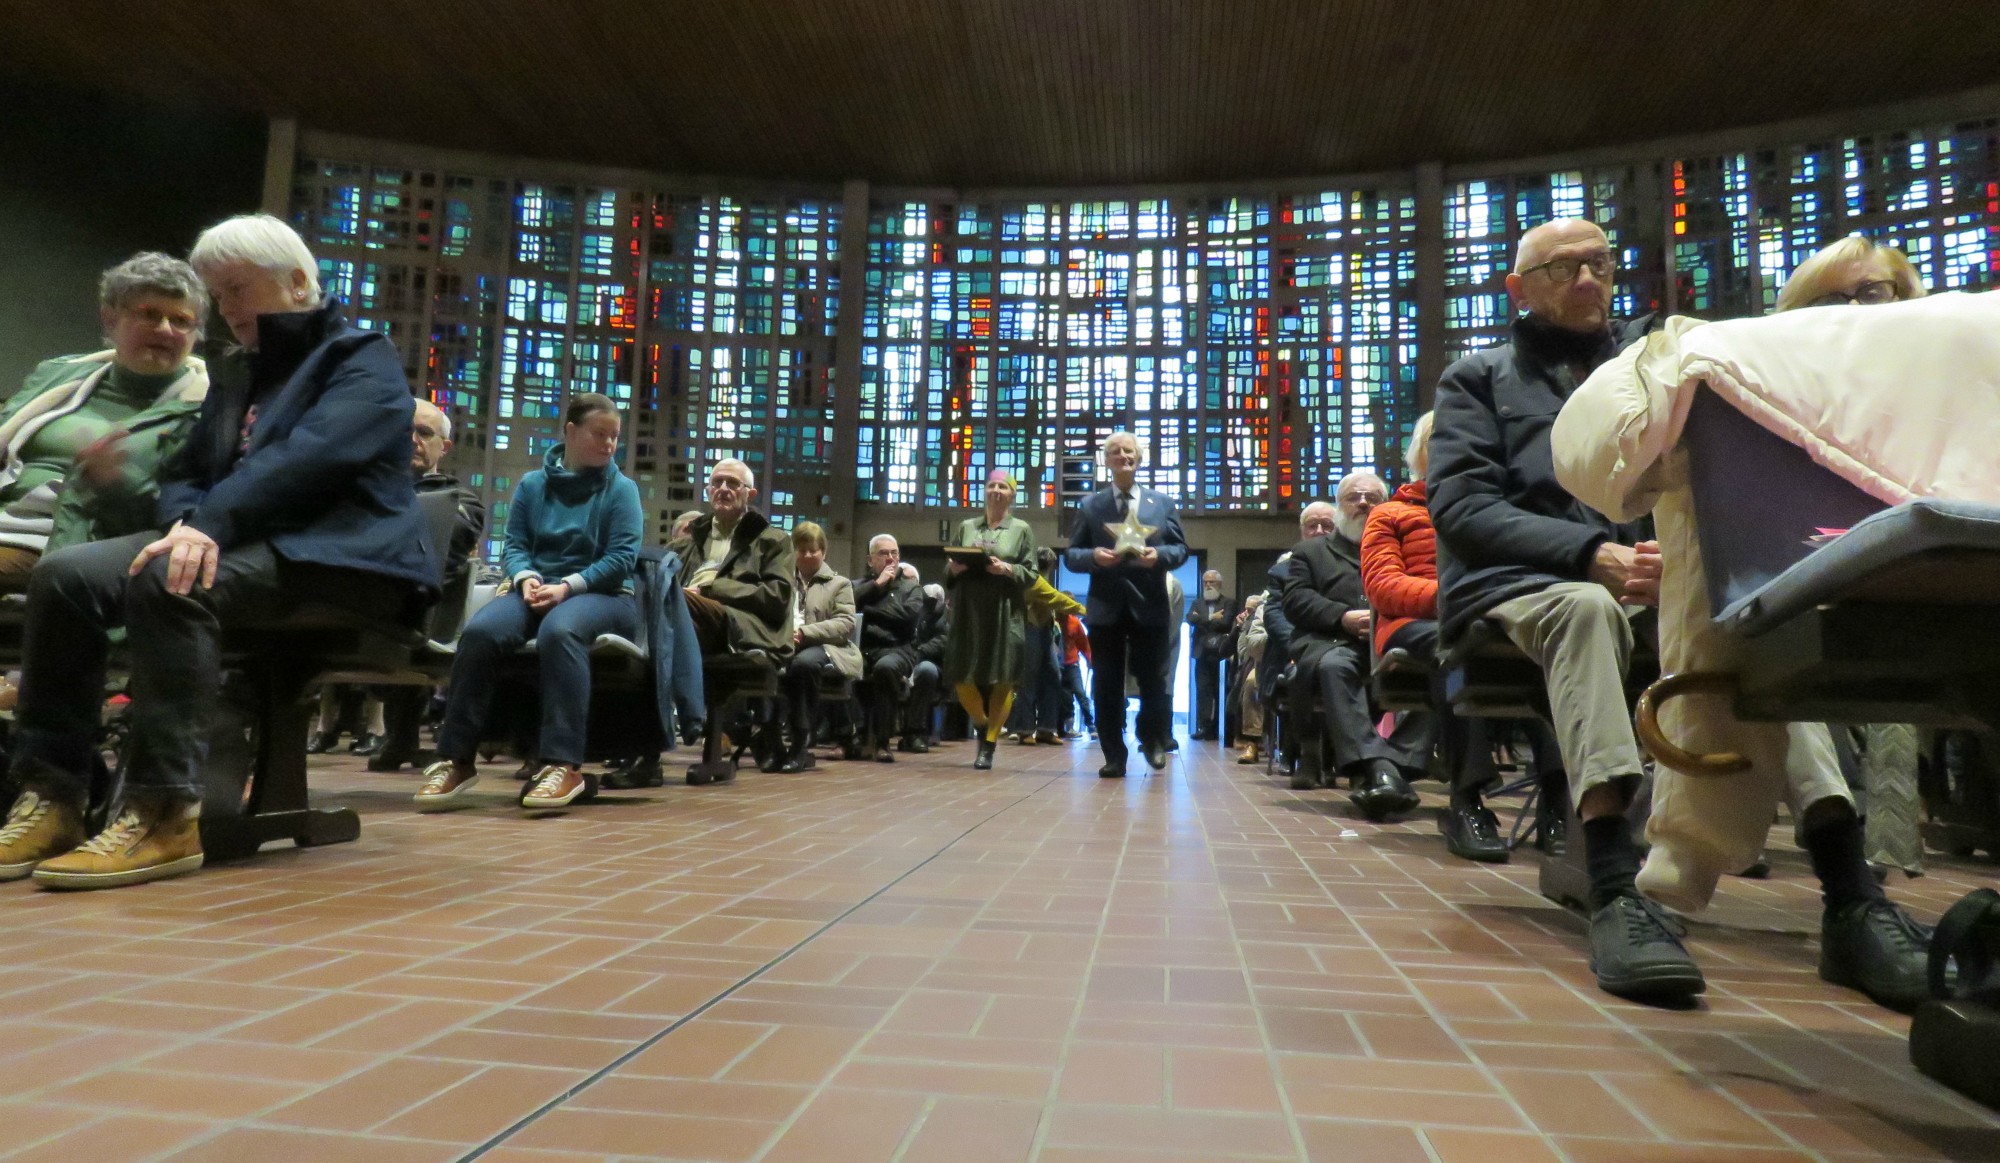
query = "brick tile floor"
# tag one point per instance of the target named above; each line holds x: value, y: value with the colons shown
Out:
x: 918, y: 963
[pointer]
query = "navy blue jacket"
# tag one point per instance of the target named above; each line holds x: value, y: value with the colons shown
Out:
x: 1127, y: 591
x: 1505, y: 525
x: 326, y: 479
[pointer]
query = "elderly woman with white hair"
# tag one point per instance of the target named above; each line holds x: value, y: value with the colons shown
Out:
x: 82, y: 441
x: 294, y: 484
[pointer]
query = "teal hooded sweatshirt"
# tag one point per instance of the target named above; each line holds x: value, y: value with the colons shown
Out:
x: 581, y: 527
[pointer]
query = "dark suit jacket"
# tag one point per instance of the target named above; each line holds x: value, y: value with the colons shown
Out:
x: 326, y: 479
x: 1127, y: 591
x: 1322, y: 583
x: 1214, y: 637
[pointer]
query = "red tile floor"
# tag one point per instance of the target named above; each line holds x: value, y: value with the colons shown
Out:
x: 925, y: 963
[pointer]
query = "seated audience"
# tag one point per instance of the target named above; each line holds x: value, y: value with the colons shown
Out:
x: 573, y: 531
x: 986, y: 656
x: 403, y: 707
x: 824, y: 639
x: 1213, y: 617
x: 82, y: 442
x: 737, y: 570
x: 891, y: 603
x: 1251, y: 639
x: 1609, y: 447
x: 1399, y: 575
x: 1330, y: 623
x: 1562, y: 580
x: 293, y: 485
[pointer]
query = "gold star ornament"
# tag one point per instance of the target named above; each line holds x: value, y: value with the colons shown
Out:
x: 1128, y: 537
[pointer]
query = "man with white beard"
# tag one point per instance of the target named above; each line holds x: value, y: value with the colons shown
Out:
x: 1322, y: 598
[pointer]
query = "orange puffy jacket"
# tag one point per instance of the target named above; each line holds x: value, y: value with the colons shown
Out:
x: 1399, y: 562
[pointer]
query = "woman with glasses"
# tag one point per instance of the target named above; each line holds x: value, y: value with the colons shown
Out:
x: 82, y: 441
x: 1854, y: 270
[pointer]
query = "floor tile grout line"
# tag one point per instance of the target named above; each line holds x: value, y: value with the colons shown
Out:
x: 1263, y: 1024
x: 607, y: 1070
x: 1039, y: 1142
x: 1638, y: 1032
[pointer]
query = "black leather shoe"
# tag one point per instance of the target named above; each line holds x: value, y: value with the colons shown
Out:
x: 1381, y: 791
x: 1112, y: 769
x: 322, y: 742
x: 1156, y: 755
x: 1306, y: 776
x: 803, y: 761
x: 1876, y: 948
x: 1636, y: 952
x: 1472, y: 833
x: 883, y: 754
x: 850, y: 749
x: 983, y: 761
x: 914, y: 745
x: 365, y: 745
x: 393, y: 755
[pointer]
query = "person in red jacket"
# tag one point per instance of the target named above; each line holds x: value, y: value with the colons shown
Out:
x: 1076, y: 651
x: 1399, y: 575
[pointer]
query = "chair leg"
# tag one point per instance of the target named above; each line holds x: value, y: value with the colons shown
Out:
x: 715, y: 767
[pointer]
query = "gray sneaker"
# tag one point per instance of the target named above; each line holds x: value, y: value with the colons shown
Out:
x: 1636, y: 952
x: 1876, y: 948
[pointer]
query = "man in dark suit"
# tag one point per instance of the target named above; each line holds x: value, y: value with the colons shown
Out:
x: 1212, y: 617
x: 1127, y: 611
x: 1323, y: 599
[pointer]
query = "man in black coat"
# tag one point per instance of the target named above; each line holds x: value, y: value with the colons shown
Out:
x: 1211, y: 619
x: 430, y: 443
x: 890, y: 600
x: 1127, y: 611
x: 1323, y: 599
x: 1558, y: 577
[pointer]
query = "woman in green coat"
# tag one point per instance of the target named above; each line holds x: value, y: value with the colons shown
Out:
x: 986, y: 653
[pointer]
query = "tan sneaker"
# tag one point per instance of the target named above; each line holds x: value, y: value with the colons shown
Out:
x: 37, y: 828
x: 1249, y: 754
x: 556, y: 786
x: 152, y: 837
x: 443, y: 782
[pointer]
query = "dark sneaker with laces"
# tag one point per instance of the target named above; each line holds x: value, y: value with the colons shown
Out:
x: 1472, y: 833
x: 1876, y: 948
x: 1636, y: 952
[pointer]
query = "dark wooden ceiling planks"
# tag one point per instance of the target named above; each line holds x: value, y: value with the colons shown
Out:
x: 985, y: 93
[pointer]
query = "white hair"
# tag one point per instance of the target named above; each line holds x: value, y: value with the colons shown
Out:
x: 1145, y: 449
x: 726, y: 462
x: 878, y: 539
x: 260, y: 240
x: 444, y: 417
x: 1358, y: 475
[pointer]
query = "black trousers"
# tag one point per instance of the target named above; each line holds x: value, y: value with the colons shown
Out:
x: 78, y: 595
x: 1207, y: 696
x: 801, y: 693
x: 885, y: 705
x: 1115, y: 650
x: 1335, y: 678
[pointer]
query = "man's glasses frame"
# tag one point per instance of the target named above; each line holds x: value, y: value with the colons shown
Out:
x: 1564, y: 270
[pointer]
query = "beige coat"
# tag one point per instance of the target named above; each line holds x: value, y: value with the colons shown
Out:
x: 1902, y: 400
x: 829, y: 620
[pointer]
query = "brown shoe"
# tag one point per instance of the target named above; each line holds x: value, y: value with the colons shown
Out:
x: 555, y: 787
x: 1249, y: 754
x: 443, y: 783
x: 1048, y: 737
x: 153, y: 836
x: 37, y: 828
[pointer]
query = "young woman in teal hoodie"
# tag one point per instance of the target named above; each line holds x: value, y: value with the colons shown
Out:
x: 572, y: 542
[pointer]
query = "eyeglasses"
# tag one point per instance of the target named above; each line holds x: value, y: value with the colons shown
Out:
x: 726, y: 485
x: 181, y: 322
x: 1870, y: 293
x: 1562, y: 270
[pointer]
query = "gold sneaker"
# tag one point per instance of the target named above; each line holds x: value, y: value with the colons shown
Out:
x: 151, y: 838
x: 37, y: 828
x: 443, y: 783
x: 556, y: 786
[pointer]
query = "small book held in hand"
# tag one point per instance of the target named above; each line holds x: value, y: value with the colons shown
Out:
x: 969, y: 556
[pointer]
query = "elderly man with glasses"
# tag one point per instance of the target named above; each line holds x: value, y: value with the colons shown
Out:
x: 738, y: 570
x: 1561, y: 579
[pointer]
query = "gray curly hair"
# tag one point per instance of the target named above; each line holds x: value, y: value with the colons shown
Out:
x: 152, y: 273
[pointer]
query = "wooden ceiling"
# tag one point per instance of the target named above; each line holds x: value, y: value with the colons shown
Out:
x: 987, y: 93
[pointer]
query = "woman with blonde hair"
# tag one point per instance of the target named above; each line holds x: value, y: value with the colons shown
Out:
x: 986, y: 654
x: 1855, y: 270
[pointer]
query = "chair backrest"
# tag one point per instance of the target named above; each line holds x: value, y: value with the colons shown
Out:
x: 1758, y: 499
x: 440, y: 510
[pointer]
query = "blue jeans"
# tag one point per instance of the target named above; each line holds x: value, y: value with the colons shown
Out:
x: 563, y: 637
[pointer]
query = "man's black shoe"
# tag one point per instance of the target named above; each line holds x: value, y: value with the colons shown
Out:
x: 1636, y: 952
x: 1112, y: 769
x: 1876, y: 948
x: 884, y: 755
x: 1305, y: 775
x: 365, y: 744
x: 322, y: 742
x: 1472, y: 833
x: 394, y: 755
x: 803, y: 761
x: 851, y: 749
x: 1156, y: 755
x: 1381, y: 791
x: 914, y: 745
x: 984, y: 760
